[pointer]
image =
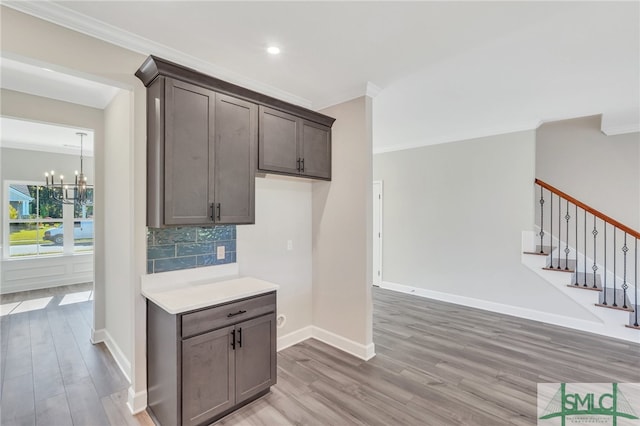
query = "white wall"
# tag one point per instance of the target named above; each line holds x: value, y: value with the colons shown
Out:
x: 28, y: 165
x: 21, y: 274
x: 59, y: 48
x: 601, y: 171
x: 342, y: 234
x: 453, y: 218
x: 27, y: 274
x: 283, y: 213
x: 118, y: 226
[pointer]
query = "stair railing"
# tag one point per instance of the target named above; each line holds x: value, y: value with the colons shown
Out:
x: 613, y: 242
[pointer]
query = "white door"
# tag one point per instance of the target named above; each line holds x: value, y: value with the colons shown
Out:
x: 377, y: 233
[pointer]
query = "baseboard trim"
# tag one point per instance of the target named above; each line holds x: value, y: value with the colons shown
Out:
x: 364, y: 352
x: 103, y: 336
x: 136, y: 401
x: 500, y: 308
x: 295, y: 337
x: 97, y: 336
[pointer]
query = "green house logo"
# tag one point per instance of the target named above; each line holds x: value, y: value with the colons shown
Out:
x: 588, y: 404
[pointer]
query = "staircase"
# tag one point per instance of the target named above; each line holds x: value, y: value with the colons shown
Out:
x: 589, y: 257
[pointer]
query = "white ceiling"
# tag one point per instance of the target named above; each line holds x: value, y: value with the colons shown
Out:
x: 42, y: 80
x: 36, y: 136
x: 445, y: 70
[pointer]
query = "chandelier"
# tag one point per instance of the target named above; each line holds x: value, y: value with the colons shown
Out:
x: 74, y: 194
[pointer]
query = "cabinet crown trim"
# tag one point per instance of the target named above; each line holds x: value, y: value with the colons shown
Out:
x: 154, y: 66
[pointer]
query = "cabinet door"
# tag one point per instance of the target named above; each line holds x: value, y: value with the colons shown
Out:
x: 255, y: 356
x: 315, y: 142
x: 278, y: 141
x: 189, y: 136
x: 236, y: 132
x: 208, y: 386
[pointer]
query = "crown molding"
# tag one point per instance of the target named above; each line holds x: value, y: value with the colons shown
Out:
x: 621, y: 129
x: 369, y: 89
x: 372, y: 90
x: 92, y: 27
x: 460, y: 137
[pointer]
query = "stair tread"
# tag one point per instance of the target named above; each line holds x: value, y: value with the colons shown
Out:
x: 541, y: 251
x: 620, y: 300
x: 579, y: 277
x: 564, y: 266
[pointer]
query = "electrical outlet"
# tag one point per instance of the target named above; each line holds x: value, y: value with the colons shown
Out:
x: 289, y: 244
x: 220, y: 253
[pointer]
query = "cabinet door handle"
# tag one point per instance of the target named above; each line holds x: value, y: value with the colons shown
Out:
x: 236, y: 313
x: 233, y: 340
x: 240, y: 337
x: 302, y: 165
x: 212, y: 211
x: 298, y: 166
x: 218, y: 211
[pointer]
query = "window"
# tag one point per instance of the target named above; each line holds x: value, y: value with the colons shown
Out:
x: 36, y: 223
x: 83, y: 229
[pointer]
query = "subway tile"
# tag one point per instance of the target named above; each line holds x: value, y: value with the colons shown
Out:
x: 174, y: 235
x: 172, y: 264
x: 216, y: 233
x: 206, y: 260
x: 170, y: 249
x: 161, y: 252
x: 210, y: 259
x: 190, y: 249
x: 150, y: 237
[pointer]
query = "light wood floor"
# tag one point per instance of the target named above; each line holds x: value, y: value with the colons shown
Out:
x: 51, y: 373
x: 436, y: 364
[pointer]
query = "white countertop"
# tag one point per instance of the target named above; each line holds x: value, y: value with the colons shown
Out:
x: 182, y: 291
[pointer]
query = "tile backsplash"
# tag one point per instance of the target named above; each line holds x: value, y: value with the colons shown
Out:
x: 169, y: 249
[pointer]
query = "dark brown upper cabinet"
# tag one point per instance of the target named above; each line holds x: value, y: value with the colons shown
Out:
x: 201, y: 153
x: 202, y: 145
x: 293, y: 146
x: 236, y: 135
x: 187, y: 147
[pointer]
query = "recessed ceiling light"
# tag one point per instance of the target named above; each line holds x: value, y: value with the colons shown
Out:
x: 274, y: 50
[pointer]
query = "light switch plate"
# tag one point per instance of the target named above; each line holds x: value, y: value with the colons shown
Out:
x: 289, y: 244
x: 220, y: 253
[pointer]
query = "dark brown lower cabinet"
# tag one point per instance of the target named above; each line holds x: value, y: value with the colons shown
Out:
x: 224, y: 357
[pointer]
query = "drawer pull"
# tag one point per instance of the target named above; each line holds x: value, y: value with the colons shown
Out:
x: 236, y: 313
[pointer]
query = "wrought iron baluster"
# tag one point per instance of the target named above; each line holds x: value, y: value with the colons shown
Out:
x: 615, y: 276
x: 566, y: 244
x: 635, y: 297
x: 584, y: 256
x: 595, y: 266
x: 605, y: 265
x: 559, y: 229
x: 551, y: 231
x: 575, y: 273
x: 541, y: 220
x: 625, y: 286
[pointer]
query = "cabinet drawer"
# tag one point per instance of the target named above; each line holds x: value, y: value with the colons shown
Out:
x: 224, y: 315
